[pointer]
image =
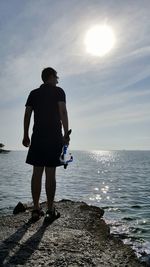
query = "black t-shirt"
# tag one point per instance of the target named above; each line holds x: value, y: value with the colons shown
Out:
x: 44, y: 102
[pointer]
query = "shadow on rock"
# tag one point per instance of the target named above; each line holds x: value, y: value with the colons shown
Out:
x: 10, y: 243
x: 26, y: 249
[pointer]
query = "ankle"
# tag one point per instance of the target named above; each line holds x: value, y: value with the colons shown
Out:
x: 36, y: 207
x: 50, y: 207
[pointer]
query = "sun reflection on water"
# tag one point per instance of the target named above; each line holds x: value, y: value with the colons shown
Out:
x: 102, y: 156
x: 103, y: 162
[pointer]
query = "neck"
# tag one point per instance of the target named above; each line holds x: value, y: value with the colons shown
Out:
x: 50, y: 83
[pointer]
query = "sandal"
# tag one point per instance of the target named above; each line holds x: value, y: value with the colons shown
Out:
x: 51, y: 215
x: 37, y: 214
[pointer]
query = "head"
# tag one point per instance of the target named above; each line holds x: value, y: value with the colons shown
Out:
x: 49, y: 75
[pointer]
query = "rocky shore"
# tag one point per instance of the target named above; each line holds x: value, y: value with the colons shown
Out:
x: 80, y: 237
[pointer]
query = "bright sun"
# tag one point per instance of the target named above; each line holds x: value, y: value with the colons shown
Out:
x: 99, y: 40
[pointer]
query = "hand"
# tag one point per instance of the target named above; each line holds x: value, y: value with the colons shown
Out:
x: 66, y: 140
x: 66, y: 137
x: 26, y: 141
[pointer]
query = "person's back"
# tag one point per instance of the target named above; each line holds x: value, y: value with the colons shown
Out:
x: 47, y: 120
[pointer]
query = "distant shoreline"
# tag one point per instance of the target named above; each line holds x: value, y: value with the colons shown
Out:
x: 93, y: 150
x: 4, y: 151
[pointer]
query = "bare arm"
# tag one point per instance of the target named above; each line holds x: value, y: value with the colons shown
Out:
x: 27, y: 117
x: 63, y: 116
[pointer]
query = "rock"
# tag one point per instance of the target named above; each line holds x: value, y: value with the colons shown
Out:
x: 92, y: 209
x: 80, y: 237
x: 20, y: 207
x: 146, y: 259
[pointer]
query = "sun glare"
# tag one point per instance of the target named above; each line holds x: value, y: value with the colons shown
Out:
x: 99, y: 40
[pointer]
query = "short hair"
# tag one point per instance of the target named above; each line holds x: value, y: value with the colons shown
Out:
x: 46, y: 73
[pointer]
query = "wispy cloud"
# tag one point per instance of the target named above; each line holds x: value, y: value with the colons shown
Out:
x: 101, y: 91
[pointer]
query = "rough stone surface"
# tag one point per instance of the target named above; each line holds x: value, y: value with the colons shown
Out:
x: 80, y: 237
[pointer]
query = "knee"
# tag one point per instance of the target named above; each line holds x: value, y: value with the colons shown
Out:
x: 38, y: 171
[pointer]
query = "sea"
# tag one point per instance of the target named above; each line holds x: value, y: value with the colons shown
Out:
x: 117, y: 181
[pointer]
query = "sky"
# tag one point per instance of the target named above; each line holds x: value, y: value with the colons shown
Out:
x: 108, y: 98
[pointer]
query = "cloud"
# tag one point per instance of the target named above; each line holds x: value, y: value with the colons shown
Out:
x: 101, y: 92
x: 60, y: 42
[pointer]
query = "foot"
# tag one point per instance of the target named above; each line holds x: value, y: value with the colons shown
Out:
x: 37, y: 214
x: 51, y: 215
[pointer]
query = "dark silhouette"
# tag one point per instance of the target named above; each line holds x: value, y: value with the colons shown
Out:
x: 48, y: 103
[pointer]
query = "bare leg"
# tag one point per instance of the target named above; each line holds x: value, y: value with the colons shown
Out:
x: 50, y: 185
x: 36, y: 185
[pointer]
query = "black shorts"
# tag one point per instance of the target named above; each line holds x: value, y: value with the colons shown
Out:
x: 45, y: 152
